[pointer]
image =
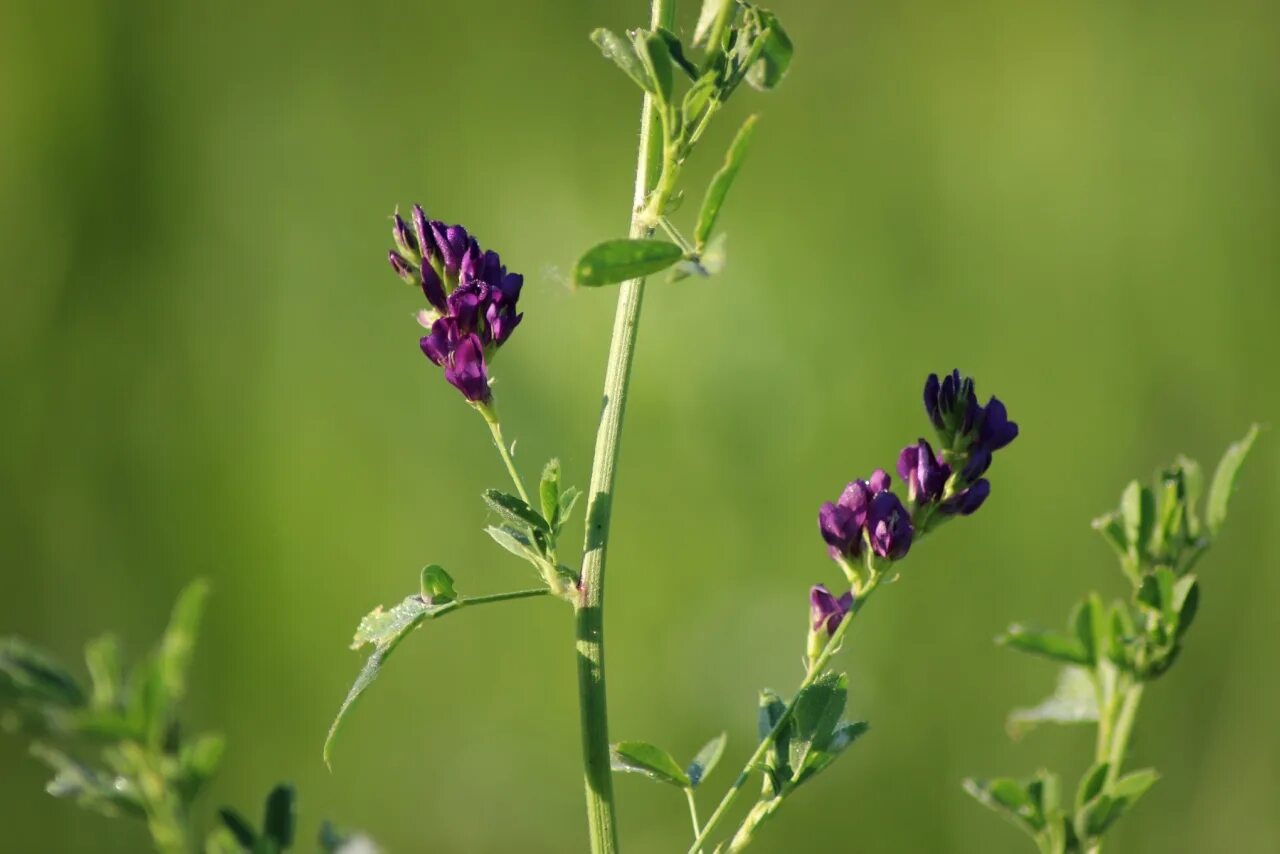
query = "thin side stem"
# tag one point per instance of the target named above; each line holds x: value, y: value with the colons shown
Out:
x: 693, y: 811
x: 491, y: 418
x: 819, y: 664
x: 589, y: 623
x: 503, y: 597
x: 1122, y: 729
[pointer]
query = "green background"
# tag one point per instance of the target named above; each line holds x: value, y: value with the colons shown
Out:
x: 207, y: 370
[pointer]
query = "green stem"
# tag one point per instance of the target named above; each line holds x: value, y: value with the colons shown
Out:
x: 491, y: 418
x: 503, y: 597
x: 693, y: 811
x: 833, y: 644
x: 1122, y: 729
x: 589, y: 623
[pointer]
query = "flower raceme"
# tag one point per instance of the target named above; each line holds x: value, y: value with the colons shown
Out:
x: 470, y: 295
x: 866, y: 514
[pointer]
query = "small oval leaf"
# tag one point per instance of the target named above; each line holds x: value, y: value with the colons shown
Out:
x: 640, y: 757
x: 723, y: 180
x: 619, y: 260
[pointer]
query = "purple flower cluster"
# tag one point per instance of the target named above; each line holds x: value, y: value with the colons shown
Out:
x: 866, y: 513
x: 970, y: 435
x: 471, y: 296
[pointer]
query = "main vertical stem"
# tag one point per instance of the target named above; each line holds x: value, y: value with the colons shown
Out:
x: 597, y: 773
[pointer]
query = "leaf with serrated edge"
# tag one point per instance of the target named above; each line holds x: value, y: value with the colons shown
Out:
x: 384, y: 630
x: 706, y: 759
x: 640, y: 757
x: 1072, y: 702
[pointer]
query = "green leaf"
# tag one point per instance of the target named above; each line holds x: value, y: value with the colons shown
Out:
x: 1052, y: 645
x: 676, y: 51
x: 619, y: 260
x: 1224, y: 481
x: 722, y: 181
x: 1186, y: 602
x: 515, y: 511
x: 280, y: 815
x: 697, y: 99
x: 711, y: 9
x: 1130, y: 787
x: 513, y: 541
x: 549, y: 493
x: 1010, y: 799
x: 568, y: 498
x: 198, y: 761
x: 1137, y: 506
x: 103, y: 793
x: 1112, y: 528
x: 1091, y: 783
x: 1156, y: 594
x: 1192, y: 487
x: 771, y: 711
x: 640, y: 757
x: 173, y: 658
x: 1072, y: 702
x: 767, y: 71
x: 436, y: 585
x: 845, y: 734
x: 34, y: 674
x: 239, y: 827
x: 1089, y: 622
x: 818, y: 708
x: 706, y: 760
x: 384, y: 630
x: 656, y: 58
x: 1096, y: 816
x: 106, y: 674
x: 619, y: 51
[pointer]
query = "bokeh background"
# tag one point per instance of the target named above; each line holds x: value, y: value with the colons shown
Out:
x: 207, y: 370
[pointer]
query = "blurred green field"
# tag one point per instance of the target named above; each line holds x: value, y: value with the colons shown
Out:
x: 207, y: 370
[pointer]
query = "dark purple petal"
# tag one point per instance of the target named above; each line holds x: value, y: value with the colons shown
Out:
x: 924, y: 475
x: 889, y: 526
x: 439, y: 343
x: 976, y: 467
x: 880, y: 481
x: 501, y: 322
x: 467, y: 371
x: 826, y: 610
x: 421, y: 228
x: 997, y: 430
x: 968, y: 501
x: 464, y: 304
x: 856, y: 498
x: 432, y: 287
x: 931, y: 387
x: 837, y: 525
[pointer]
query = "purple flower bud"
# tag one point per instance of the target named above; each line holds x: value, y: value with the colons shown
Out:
x: 967, y: 501
x: 423, y: 231
x: 840, y: 529
x: 931, y: 404
x: 826, y: 610
x: 401, y: 266
x: 467, y: 371
x: 922, y: 472
x: 402, y: 238
x: 997, y: 430
x: 452, y: 241
x: 432, y: 287
x: 889, y: 526
x: 880, y: 481
x: 976, y: 466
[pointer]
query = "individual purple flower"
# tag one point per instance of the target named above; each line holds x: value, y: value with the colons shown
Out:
x: 996, y: 430
x: 889, y: 527
x: 826, y: 610
x: 472, y: 298
x: 843, y: 522
x: 465, y: 369
x: 924, y: 474
x: 967, y: 500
